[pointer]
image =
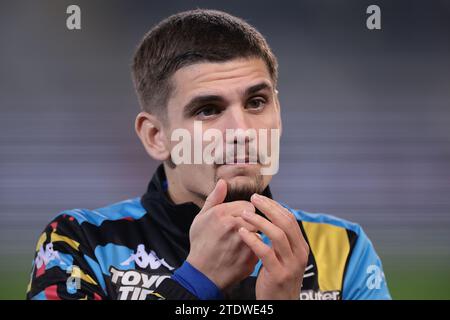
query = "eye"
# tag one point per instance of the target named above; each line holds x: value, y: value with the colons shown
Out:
x: 256, y: 103
x: 208, y: 111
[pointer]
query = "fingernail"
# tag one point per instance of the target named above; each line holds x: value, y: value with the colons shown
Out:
x: 256, y: 197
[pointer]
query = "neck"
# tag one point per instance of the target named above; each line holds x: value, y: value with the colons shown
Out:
x: 177, y: 192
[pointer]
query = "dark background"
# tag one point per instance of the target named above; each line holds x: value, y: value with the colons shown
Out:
x: 366, y: 118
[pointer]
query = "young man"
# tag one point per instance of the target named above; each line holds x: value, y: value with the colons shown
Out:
x: 205, y: 229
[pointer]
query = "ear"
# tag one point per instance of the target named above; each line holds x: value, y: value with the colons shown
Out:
x: 150, y: 131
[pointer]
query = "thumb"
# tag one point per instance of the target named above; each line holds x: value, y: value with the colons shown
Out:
x: 216, y: 196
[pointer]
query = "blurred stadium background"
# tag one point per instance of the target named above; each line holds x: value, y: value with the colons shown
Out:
x: 366, y: 121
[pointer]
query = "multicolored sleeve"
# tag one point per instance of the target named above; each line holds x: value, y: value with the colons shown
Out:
x: 364, y: 277
x: 62, y: 267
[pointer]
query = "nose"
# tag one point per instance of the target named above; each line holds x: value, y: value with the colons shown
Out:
x: 237, y: 118
x: 239, y: 121
x: 240, y: 136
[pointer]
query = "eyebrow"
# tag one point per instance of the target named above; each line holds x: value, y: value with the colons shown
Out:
x: 257, y: 87
x: 212, y: 98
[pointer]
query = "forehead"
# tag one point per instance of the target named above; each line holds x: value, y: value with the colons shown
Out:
x: 221, y: 77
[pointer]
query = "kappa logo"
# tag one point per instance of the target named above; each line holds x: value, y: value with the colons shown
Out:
x: 44, y: 256
x: 144, y: 259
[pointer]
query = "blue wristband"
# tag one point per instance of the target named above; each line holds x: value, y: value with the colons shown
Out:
x: 196, y: 282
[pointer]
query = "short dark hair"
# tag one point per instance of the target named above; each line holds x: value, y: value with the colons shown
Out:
x: 190, y: 37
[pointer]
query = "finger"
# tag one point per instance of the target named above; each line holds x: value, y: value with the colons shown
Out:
x: 277, y: 236
x: 217, y: 196
x: 242, y: 223
x: 282, y: 218
x: 235, y: 208
x: 273, y: 210
x: 260, y: 249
